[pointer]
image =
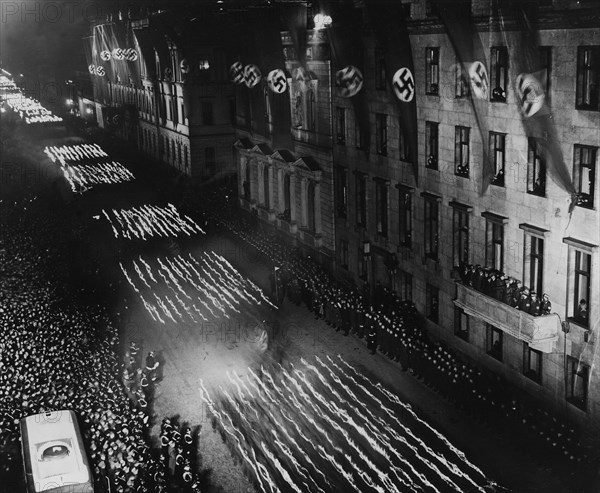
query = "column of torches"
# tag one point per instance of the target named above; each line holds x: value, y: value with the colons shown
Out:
x: 87, y: 165
x: 325, y: 427
x: 197, y: 288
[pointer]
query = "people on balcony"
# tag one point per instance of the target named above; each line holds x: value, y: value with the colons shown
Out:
x: 509, y: 290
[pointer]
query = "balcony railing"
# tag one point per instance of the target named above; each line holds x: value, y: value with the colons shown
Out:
x: 539, y: 332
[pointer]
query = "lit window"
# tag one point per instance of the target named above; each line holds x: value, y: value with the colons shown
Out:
x: 405, y: 206
x: 460, y: 232
x: 461, y: 151
x: 433, y: 71
x: 545, y: 53
x: 536, y: 169
x: 341, y: 125
x: 431, y: 225
x: 431, y: 145
x: 499, y: 74
x: 533, y: 269
x: 579, y: 282
x: 588, y: 78
x: 494, y: 240
x: 461, y: 81
x: 497, y: 155
x: 584, y: 164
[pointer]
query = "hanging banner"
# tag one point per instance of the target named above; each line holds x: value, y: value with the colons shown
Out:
x: 388, y: 22
x: 469, y: 51
x: 529, y: 87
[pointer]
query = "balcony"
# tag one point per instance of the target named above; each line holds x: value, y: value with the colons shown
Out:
x: 310, y: 238
x: 539, y: 332
x: 290, y: 227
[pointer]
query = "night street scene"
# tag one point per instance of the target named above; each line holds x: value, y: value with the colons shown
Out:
x: 280, y: 246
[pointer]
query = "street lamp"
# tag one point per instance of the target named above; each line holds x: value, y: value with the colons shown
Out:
x: 322, y: 21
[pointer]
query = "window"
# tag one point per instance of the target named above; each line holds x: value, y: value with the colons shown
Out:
x: 179, y: 160
x: 499, y: 73
x: 171, y: 113
x: 311, y: 108
x: 361, y: 199
x: 405, y: 287
x: 579, y: 282
x: 344, y: 254
x: 357, y: 135
x: 432, y: 57
x: 341, y: 125
x: 405, y: 206
x: 532, y: 363
x: 460, y: 233
x: 207, y: 112
x: 168, y: 146
x: 431, y: 225
x: 431, y: 145
x: 381, y: 133
x: 461, y: 324
x: 536, y: 169
x: 497, y: 146
x: 310, y: 207
x: 461, y: 151
x: 381, y: 207
x: 432, y: 303
x: 584, y: 174
x: 246, y: 184
x: 209, y: 159
x: 461, y: 81
x: 380, y: 70
x: 266, y: 188
x: 185, y: 156
x: 578, y: 379
x: 588, y: 78
x: 403, y: 143
x: 431, y: 8
x: 494, y: 342
x: 546, y: 66
x: 267, y: 105
x: 533, y: 268
x: 341, y: 193
x: 363, y: 266
x: 494, y: 240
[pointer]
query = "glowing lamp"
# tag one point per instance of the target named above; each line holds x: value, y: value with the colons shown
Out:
x: 322, y: 21
x: 88, y: 110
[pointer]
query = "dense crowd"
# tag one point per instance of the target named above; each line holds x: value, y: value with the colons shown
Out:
x: 505, y: 289
x: 393, y: 327
x: 58, y: 353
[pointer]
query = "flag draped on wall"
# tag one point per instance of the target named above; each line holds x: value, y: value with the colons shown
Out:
x: 347, y: 52
x: 275, y: 77
x: 529, y: 83
x: 389, y: 25
x: 96, y: 69
x: 459, y: 25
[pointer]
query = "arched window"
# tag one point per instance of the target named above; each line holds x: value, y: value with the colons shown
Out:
x: 287, y: 193
x: 310, y: 206
x: 266, y: 187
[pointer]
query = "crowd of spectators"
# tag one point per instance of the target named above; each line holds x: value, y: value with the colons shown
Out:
x: 59, y: 353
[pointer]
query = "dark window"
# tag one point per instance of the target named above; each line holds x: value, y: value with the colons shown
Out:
x: 247, y: 181
x: 266, y: 188
x: 431, y: 228
x: 311, y: 111
x: 403, y: 143
x: 494, y: 251
x: 363, y: 266
x: 357, y: 136
x: 461, y: 323
x: 533, y: 275
x: 344, y: 254
x: 536, y: 169
x: 209, y: 159
x: 341, y: 125
x: 405, y: 288
x: 431, y: 145
x: 532, y: 363
x: 207, y: 112
x: 311, y: 221
x: 431, y: 9
x: 341, y: 195
x: 287, y: 195
x: 588, y: 78
x: 432, y: 56
x: 267, y: 105
x: 584, y: 163
x: 546, y: 66
x: 581, y: 288
x: 497, y: 155
x: 460, y: 247
x: 405, y: 206
x: 361, y: 199
x: 185, y: 156
x: 461, y: 81
x: 381, y: 133
x: 432, y: 303
x: 461, y: 151
x: 578, y: 380
x: 494, y: 342
x: 381, y: 207
x: 380, y: 69
x: 499, y: 73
